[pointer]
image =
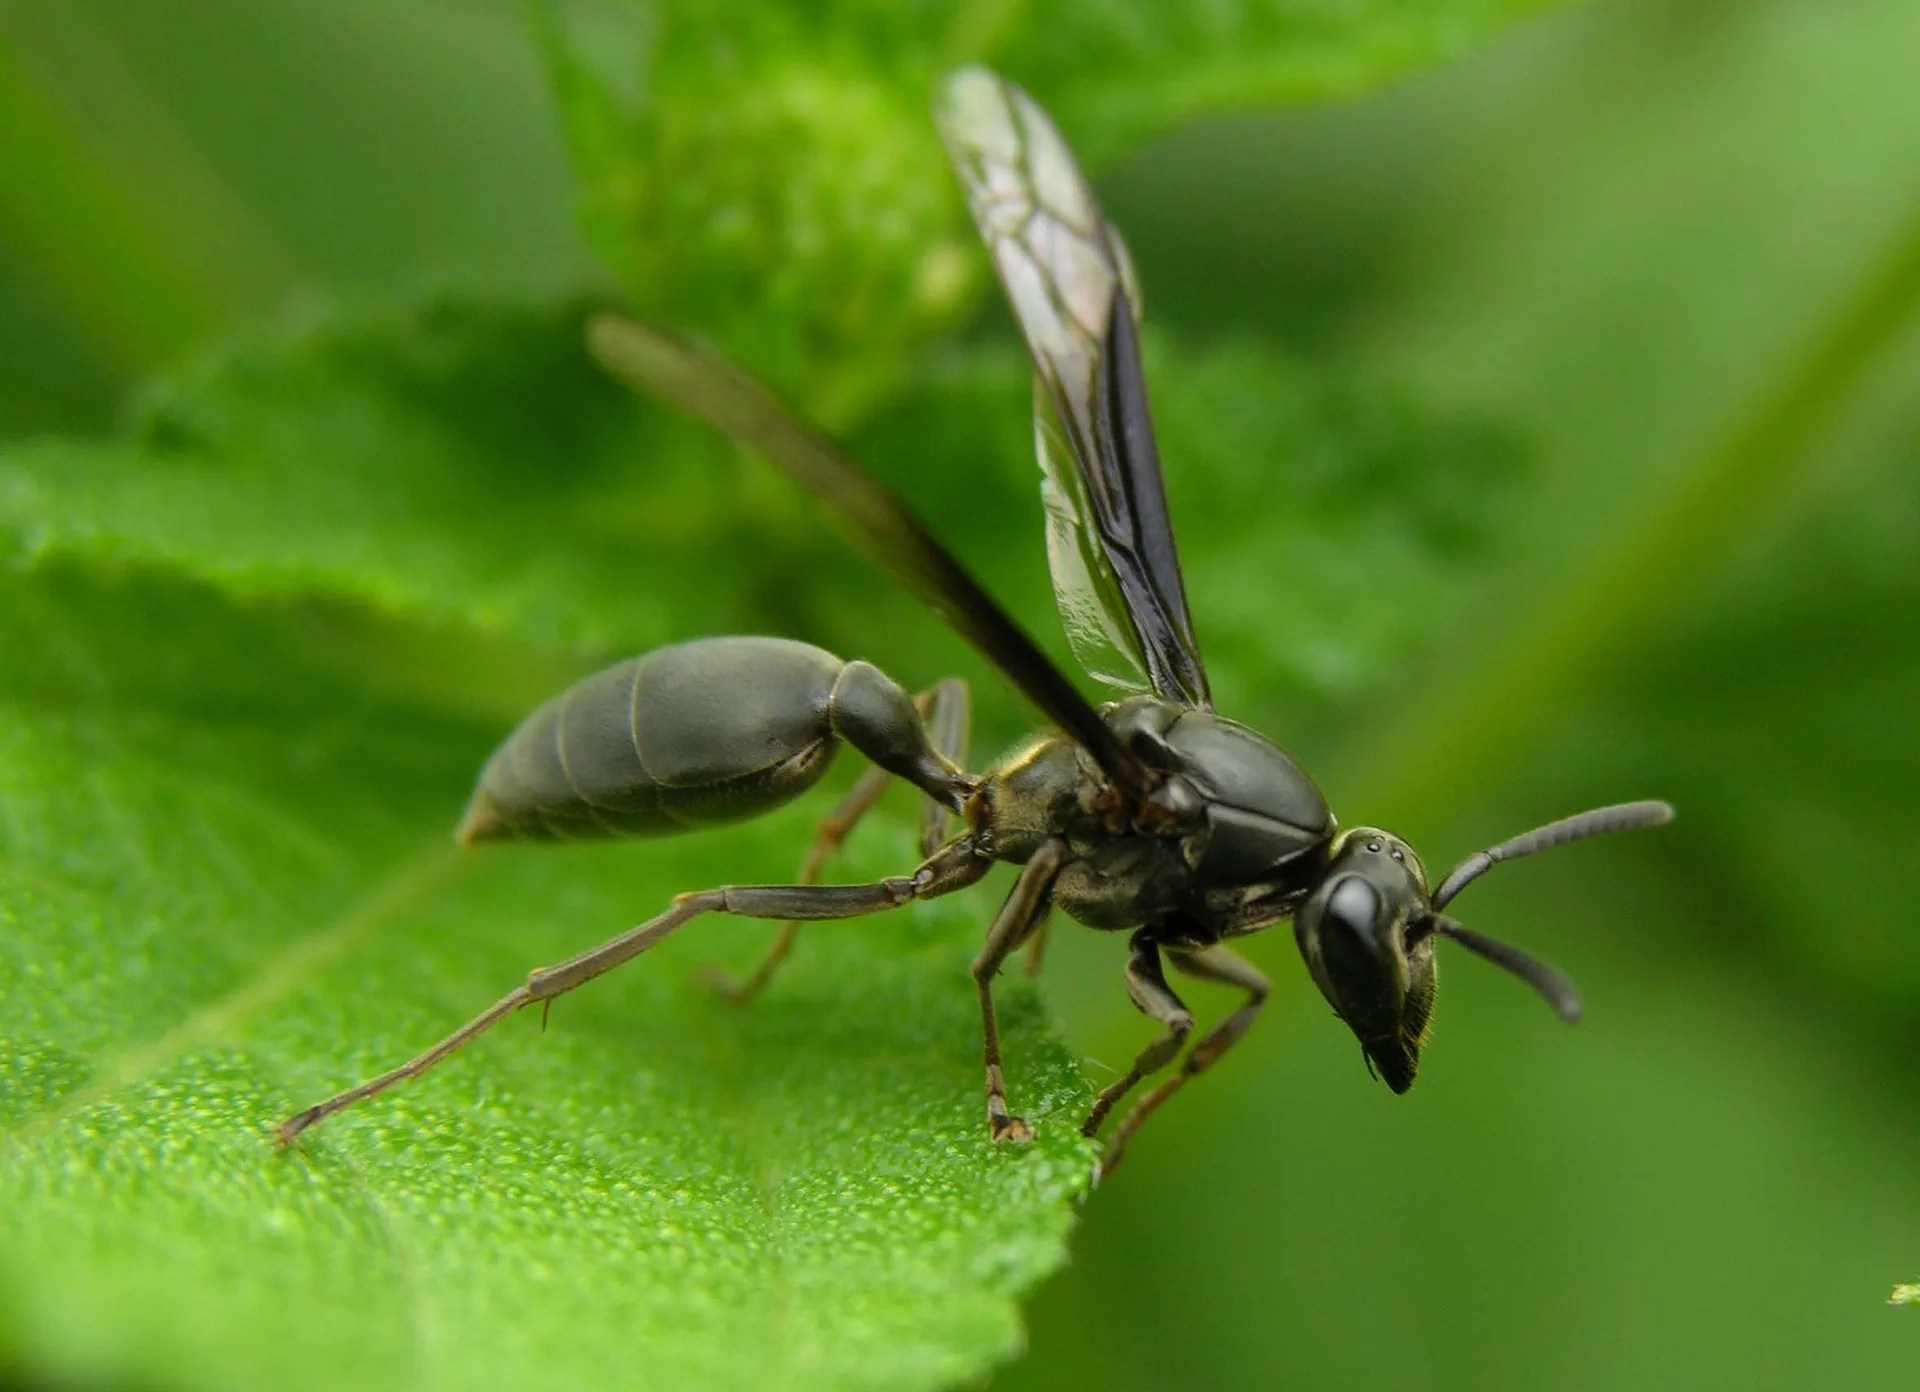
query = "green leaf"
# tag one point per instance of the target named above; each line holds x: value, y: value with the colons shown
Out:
x: 456, y: 465
x: 257, y: 649
x: 464, y: 468
x: 771, y: 174
x: 226, y: 891
x: 1121, y: 72
x: 256, y: 654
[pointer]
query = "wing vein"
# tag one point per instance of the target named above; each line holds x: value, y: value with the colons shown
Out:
x: 1116, y: 568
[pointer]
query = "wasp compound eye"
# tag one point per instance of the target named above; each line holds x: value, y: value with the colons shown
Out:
x: 1350, y: 932
x: 1346, y: 938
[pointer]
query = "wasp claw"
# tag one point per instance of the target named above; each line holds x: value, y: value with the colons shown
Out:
x: 1012, y: 1130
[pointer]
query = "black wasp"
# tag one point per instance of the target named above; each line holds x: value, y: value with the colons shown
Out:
x: 1150, y: 814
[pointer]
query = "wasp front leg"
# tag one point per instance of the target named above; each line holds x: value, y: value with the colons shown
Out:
x: 1147, y: 984
x: 1208, y: 964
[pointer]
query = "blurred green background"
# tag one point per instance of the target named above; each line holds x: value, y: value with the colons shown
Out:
x: 1654, y: 264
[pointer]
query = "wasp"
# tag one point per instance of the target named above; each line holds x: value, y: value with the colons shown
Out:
x: 1151, y: 815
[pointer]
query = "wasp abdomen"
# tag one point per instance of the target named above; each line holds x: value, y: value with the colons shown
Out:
x: 695, y: 735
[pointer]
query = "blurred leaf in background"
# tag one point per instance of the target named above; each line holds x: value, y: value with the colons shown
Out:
x: 1673, y: 245
x: 377, y: 505
x: 769, y: 171
x: 174, y: 171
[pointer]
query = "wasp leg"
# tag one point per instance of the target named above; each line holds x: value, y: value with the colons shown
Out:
x: 832, y: 831
x: 1018, y: 916
x: 1147, y: 984
x: 1208, y: 964
x: 1037, y: 945
x: 944, y: 709
x: 954, y: 868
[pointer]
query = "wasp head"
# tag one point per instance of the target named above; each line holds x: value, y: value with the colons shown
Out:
x: 1368, y: 928
x: 1365, y: 934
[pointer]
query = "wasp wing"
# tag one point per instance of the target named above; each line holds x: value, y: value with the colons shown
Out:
x: 1116, y: 572
x: 1092, y: 605
x: 706, y: 386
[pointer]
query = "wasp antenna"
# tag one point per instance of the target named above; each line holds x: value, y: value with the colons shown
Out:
x: 1622, y: 816
x: 1554, y: 988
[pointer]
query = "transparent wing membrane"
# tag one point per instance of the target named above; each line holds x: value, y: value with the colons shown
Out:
x: 1093, y: 608
x: 1116, y: 573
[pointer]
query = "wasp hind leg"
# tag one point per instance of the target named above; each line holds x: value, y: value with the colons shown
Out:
x: 943, y: 709
x: 954, y: 868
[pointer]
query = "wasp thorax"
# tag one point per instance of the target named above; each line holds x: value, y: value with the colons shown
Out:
x: 1364, y: 934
